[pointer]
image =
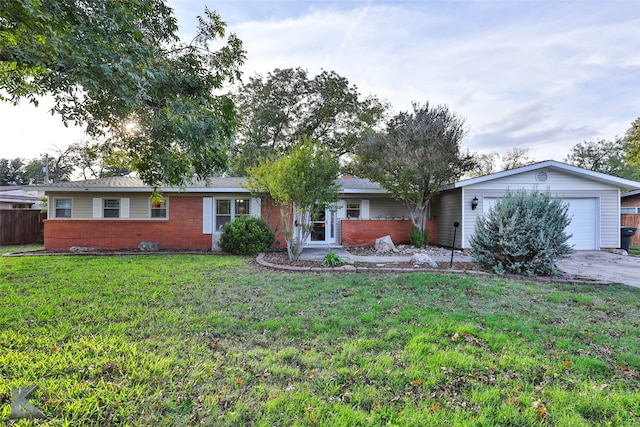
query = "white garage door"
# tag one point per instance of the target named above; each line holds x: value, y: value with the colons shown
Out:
x: 584, y: 221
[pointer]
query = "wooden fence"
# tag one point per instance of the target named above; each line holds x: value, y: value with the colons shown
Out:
x: 19, y: 227
x: 632, y: 220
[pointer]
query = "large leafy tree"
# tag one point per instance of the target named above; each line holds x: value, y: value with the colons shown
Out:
x: 99, y: 159
x: 58, y: 167
x: 278, y: 109
x: 632, y: 143
x: 12, y: 171
x: 416, y: 157
x: 301, y: 183
x: 119, y: 68
x: 600, y: 156
x: 485, y: 165
x: 516, y: 157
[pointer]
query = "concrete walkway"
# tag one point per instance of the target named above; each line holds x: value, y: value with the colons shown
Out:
x: 605, y: 266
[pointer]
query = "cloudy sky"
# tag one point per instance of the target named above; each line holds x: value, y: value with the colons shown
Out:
x: 537, y: 74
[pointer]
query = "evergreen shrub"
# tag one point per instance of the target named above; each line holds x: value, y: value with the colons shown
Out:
x: 523, y: 233
x: 418, y: 238
x: 246, y: 235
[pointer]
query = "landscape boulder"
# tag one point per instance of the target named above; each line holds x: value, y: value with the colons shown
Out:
x: 79, y: 249
x: 385, y: 244
x: 422, y: 259
x: 149, y: 246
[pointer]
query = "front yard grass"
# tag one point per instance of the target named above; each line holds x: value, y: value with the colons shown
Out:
x: 211, y: 340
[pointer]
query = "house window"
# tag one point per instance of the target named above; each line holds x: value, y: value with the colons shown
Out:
x: 63, y: 208
x: 159, y: 208
x: 223, y: 213
x: 629, y: 210
x: 353, y: 210
x: 242, y: 207
x: 227, y: 210
x: 111, y: 208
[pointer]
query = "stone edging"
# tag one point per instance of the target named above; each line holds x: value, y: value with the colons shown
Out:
x: 355, y: 269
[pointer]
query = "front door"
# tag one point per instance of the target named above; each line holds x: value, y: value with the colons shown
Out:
x: 323, y: 231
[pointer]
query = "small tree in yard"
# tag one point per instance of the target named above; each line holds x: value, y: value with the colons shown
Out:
x: 302, y: 184
x: 416, y: 157
x: 523, y: 233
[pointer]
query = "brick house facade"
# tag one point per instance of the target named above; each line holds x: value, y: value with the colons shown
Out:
x: 118, y: 213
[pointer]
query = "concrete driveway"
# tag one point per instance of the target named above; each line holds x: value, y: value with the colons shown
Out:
x: 603, y: 266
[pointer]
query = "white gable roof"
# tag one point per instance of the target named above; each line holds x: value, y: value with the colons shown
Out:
x: 552, y: 164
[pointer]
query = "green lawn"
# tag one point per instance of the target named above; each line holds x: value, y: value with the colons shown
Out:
x: 213, y: 340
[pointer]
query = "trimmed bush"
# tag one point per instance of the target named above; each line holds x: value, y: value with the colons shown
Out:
x: 419, y: 239
x: 246, y: 235
x: 523, y: 233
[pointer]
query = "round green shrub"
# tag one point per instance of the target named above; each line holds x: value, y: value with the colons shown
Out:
x: 246, y: 235
x: 523, y: 233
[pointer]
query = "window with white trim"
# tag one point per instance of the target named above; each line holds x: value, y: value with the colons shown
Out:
x: 628, y: 210
x: 228, y: 209
x: 242, y: 207
x: 63, y: 208
x: 159, y: 208
x: 111, y: 208
x: 223, y: 212
x: 353, y: 209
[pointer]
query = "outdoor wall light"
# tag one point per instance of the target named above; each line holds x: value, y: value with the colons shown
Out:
x: 474, y: 203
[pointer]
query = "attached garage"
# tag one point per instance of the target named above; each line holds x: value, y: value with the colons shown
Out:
x: 593, y: 199
x: 584, y: 221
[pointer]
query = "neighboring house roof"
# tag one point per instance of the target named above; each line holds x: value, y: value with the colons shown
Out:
x: 18, y: 199
x: 552, y: 164
x: 220, y: 184
x: 630, y: 193
x: 16, y: 194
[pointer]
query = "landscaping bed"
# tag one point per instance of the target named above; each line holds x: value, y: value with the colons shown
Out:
x: 281, y: 258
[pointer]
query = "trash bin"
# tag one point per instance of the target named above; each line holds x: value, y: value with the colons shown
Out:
x: 625, y: 237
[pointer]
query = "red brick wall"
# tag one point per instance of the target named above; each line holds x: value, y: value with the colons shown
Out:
x: 271, y: 214
x: 630, y: 201
x: 365, y: 232
x: 183, y: 230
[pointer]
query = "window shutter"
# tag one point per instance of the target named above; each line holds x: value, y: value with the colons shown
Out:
x: 364, y: 209
x: 97, y: 207
x: 207, y: 215
x: 125, y: 207
x: 254, y: 207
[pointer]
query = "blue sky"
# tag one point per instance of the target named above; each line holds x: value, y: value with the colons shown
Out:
x: 543, y: 75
